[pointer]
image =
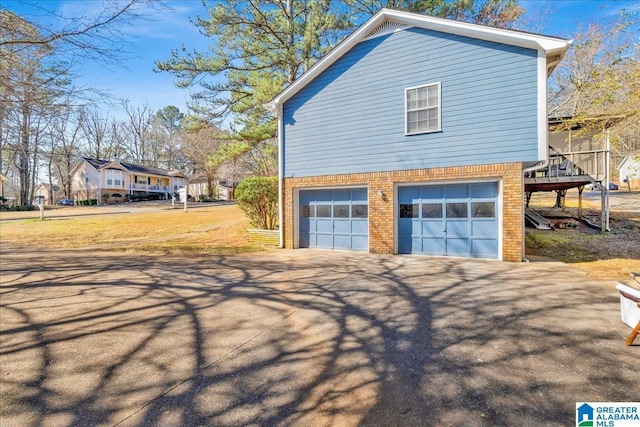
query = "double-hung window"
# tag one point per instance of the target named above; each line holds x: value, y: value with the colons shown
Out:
x: 422, y: 106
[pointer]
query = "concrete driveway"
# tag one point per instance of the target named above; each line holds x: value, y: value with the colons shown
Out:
x: 304, y: 337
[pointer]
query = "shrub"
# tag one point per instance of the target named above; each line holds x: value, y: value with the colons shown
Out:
x: 23, y: 208
x: 258, y: 198
x: 93, y: 202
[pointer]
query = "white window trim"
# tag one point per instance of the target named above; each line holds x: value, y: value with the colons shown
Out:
x: 406, y: 123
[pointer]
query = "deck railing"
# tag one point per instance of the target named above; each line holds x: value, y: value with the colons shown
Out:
x: 590, y: 163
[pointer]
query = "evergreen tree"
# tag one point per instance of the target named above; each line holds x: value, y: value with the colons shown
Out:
x: 261, y: 46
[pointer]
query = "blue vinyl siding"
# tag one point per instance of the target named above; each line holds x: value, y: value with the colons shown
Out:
x: 351, y: 118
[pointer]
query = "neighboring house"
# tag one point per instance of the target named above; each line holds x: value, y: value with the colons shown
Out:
x: 199, y: 185
x: 2, y: 180
x: 95, y: 179
x: 413, y: 136
x: 49, y: 193
x: 630, y: 169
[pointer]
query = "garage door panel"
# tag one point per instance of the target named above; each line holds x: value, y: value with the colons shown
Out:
x: 458, y: 247
x: 484, y: 229
x: 484, y: 248
x: 324, y: 240
x: 341, y: 241
x: 324, y: 226
x: 343, y: 227
x: 360, y: 226
x: 360, y: 243
x: 457, y: 229
x: 433, y: 246
x: 432, y: 228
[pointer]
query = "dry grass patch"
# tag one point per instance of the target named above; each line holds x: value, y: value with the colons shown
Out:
x: 610, y: 269
x: 215, y: 229
x: 604, y: 256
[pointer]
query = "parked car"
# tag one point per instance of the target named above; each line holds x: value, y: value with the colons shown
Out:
x: 594, y: 187
x: 65, y: 202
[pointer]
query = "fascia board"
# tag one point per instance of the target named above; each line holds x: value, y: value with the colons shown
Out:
x: 482, y: 32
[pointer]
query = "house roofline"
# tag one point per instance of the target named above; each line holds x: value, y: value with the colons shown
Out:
x: 118, y: 164
x: 553, y: 47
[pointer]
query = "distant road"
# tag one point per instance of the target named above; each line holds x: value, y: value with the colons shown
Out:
x: 125, y: 208
x: 620, y: 200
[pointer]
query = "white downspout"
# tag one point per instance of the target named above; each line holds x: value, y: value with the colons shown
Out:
x: 280, y: 177
x: 543, y: 129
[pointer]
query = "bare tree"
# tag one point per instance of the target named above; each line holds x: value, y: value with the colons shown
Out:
x: 600, y: 76
x: 138, y: 131
x: 31, y: 84
x: 96, y: 133
x: 64, y: 148
x: 98, y: 34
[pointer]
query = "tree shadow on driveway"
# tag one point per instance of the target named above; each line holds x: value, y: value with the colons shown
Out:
x: 303, y: 338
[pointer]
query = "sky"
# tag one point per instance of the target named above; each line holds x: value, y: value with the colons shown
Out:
x: 171, y: 28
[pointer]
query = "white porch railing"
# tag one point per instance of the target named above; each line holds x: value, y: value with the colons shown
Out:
x: 147, y: 187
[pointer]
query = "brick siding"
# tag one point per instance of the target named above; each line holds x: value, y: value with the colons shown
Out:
x: 381, y: 209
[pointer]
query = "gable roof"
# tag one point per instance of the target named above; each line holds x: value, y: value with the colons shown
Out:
x: 48, y: 187
x: 631, y: 158
x: 387, y: 21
